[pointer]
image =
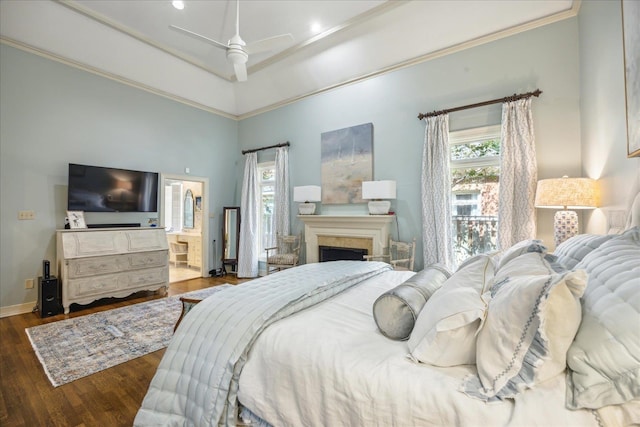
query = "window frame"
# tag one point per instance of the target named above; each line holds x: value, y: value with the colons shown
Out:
x: 466, y: 136
x: 476, y: 134
x: 262, y: 184
x: 173, y: 206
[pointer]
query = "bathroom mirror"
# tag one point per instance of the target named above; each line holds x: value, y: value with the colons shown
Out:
x: 230, y: 236
x: 188, y: 210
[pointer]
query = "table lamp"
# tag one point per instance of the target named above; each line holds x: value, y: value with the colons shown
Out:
x: 307, y: 194
x: 566, y: 193
x: 379, y: 193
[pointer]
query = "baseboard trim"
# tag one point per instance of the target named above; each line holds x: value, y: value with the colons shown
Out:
x: 13, y: 310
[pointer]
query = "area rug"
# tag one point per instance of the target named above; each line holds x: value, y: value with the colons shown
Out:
x: 74, y: 348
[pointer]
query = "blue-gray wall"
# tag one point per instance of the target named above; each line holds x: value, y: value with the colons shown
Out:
x: 603, y: 110
x: 545, y: 58
x: 51, y: 115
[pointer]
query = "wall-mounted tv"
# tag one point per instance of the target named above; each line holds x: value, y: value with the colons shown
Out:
x: 100, y: 189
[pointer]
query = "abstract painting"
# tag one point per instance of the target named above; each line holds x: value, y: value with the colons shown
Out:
x: 347, y: 160
x: 631, y: 36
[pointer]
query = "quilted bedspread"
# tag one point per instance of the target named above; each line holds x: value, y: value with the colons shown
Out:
x: 197, y: 380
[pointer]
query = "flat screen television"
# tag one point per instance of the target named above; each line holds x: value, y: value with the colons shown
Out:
x: 100, y: 189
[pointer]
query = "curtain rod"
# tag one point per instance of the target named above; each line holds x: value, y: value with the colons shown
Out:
x: 511, y: 98
x: 284, y: 144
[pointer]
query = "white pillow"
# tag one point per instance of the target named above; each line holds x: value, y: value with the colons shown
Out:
x: 531, y: 322
x: 604, y: 359
x: 521, y: 248
x: 573, y: 250
x: 446, y: 328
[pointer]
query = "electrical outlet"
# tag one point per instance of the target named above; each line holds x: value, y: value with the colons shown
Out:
x: 26, y: 215
x: 28, y: 284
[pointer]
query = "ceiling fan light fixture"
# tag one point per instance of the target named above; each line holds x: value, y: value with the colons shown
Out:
x: 237, y: 56
x: 236, y: 48
x: 178, y: 4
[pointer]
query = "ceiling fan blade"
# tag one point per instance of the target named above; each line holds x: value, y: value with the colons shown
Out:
x: 199, y: 37
x: 241, y: 71
x: 270, y: 43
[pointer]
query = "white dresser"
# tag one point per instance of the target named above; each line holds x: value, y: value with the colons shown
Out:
x: 97, y: 263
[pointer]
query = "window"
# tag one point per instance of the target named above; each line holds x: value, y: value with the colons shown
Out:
x: 475, y: 183
x: 466, y: 204
x: 267, y: 173
x: 173, y: 205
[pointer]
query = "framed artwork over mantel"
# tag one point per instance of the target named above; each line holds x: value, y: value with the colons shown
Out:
x: 631, y: 46
x: 347, y: 160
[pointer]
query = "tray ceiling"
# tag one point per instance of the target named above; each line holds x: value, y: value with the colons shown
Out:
x: 334, y: 42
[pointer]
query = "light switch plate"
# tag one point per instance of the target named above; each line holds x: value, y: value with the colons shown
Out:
x: 26, y: 215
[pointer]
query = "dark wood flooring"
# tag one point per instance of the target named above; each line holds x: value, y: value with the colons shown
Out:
x: 108, y: 398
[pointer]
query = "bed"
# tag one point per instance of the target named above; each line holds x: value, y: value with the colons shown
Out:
x: 518, y: 338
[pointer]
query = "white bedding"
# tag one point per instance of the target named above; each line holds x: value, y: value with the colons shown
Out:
x: 197, y: 380
x: 330, y: 366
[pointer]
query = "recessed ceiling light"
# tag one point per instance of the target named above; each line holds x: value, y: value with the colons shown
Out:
x: 316, y: 27
x: 178, y: 4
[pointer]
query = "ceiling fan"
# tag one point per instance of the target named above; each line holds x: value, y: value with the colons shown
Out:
x: 237, y: 50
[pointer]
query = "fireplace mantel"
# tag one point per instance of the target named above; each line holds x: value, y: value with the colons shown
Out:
x: 373, y: 227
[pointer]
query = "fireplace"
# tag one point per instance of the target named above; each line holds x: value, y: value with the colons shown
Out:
x: 333, y: 253
x: 364, y: 232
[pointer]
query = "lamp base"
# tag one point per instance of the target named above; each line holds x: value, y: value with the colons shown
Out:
x: 565, y: 226
x: 306, y: 208
x: 379, y: 207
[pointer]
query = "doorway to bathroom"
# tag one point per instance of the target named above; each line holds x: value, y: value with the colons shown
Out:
x: 184, y: 215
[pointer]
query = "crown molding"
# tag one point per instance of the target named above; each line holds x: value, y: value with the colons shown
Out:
x: 370, y: 14
x: 120, y: 79
x: 359, y: 19
x: 138, y: 36
x: 557, y: 17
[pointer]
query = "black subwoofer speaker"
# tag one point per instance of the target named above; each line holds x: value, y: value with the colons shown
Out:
x: 49, y: 296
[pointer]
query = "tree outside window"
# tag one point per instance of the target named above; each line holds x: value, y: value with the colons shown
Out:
x: 475, y: 184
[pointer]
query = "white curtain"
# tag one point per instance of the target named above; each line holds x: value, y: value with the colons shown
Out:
x: 250, y: 216
x: 518, y: 174
x: 437, y: 245
x: 281, y: 222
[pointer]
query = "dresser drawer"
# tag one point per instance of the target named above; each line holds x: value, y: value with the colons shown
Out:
x: 146, y: 277
x: 147, y: 259
x: 78, y: 288
x: 84, y: 267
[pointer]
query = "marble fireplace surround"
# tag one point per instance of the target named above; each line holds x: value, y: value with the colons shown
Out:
x: 369, y: 232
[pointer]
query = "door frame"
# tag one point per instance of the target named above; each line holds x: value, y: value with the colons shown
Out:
x: 204, y: 240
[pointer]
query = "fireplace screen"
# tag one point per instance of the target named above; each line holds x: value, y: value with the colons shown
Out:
x: 332, y: 253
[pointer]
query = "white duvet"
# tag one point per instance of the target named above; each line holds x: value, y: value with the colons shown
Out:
x: 330, y: 366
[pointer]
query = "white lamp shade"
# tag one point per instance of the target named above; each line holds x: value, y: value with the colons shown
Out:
x: 567, y: 193
x: 378, y: 190
x: 307, y: 193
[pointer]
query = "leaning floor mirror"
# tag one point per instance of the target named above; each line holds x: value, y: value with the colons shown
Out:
x: 231, y: 237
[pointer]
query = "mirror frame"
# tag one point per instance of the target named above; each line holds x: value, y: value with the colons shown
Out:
x: 227, y: 232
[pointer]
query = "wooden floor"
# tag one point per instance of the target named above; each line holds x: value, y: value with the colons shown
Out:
x: 108, y: 398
